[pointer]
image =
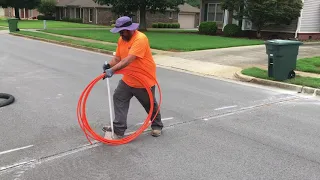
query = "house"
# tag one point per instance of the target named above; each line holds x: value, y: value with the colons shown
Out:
x: 87, y: 10
x: 24, y: 13
x: 92, y: 13
x: 304, y: 28
x: 1, y: 12
x: 188, y: 16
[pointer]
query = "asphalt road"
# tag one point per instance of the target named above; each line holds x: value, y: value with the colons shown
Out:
x: 213, y: 129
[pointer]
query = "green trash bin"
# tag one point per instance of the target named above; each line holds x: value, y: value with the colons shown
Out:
x: 282, y: 58
x: 13, y: 24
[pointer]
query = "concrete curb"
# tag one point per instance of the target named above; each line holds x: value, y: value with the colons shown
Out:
x: 315, y: 43
x: 65, y: 44
x: 292, y: 87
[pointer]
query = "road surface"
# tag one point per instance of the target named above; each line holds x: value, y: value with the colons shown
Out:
x: 213, y: 129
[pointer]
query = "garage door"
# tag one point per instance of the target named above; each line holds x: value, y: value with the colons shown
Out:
x: 186, y: 20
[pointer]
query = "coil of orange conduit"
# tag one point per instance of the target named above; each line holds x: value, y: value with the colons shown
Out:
x: 81, y: 113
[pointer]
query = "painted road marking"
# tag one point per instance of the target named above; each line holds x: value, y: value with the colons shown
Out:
x: 225, y: 107
x: 17, y: 149
x: 163, y: 119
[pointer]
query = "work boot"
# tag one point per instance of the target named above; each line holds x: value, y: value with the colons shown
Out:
x: 156, y: 132
x: 109, y: 130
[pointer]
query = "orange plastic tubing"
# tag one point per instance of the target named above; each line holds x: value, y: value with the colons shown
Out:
x: 81, y: 108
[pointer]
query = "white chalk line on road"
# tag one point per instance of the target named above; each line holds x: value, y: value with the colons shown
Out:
x: 17, y: 149
x: 225, y: 107
x: 219, y: 116
x: 163, y: 119
x: 17, y: 164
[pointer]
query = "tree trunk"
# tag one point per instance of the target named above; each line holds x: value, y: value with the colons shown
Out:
x: 241, y: 12
x: 143, y: 22
x: 230, y: 17
x: 259, y: 33
x: 17, y: 13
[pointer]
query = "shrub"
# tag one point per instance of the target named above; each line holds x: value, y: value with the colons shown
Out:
x: 160, y: 25
x: 165, y: 25
x: 43, y: 17
x: 232, y: 30
x: 74, y: 20
x: 208, y: 28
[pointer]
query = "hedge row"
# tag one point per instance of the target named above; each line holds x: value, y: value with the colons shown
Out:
x: 43, y: 17
x: 165, y: 25
x: 75, y: 20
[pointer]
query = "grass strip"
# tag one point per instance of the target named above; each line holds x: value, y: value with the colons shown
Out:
x: 168, y: 41
x: 38, y: 24
x: 298, y: 80
x: 311, y: 65
x: 69, y: 41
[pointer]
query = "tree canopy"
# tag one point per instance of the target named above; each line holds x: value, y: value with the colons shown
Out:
x: 265, y: 12
x: 126, y: 7
x: 47, y: 7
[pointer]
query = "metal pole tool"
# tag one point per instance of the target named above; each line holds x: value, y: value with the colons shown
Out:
x: 110, y: 105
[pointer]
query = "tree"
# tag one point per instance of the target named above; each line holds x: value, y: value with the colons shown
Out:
x: 234, y: 6
x: 265, y: 12
x: 47, y: 7
x: 19, y: 4
x: 195, y: 3
x: 126, y: 7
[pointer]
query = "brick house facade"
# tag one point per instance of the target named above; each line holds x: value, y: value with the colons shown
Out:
x: 24, y: 13
x: 92, y: 13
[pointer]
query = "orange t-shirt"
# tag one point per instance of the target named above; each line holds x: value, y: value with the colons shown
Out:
x: 138, y: 46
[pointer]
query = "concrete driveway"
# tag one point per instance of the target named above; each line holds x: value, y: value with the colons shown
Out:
x: 243, y: 57
x: 213, y: 129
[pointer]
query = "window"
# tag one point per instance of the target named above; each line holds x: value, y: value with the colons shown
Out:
x: 90, y: 15
x: 78, y: 14
x: 170, y: 15
x: 61, y: 13
x: 215, y: 12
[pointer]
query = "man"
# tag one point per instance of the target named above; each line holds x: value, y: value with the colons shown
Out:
x: 133, y: 52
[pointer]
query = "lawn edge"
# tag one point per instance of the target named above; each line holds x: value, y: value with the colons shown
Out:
x: 287, y: 86
x: 65, y: 44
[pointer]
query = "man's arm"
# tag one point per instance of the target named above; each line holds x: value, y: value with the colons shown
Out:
x: 115, y: 60
x: 123, y: 63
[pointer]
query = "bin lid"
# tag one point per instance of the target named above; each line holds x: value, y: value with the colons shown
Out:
x: 280, y: 42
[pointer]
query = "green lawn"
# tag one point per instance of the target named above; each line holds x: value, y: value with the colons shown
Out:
x: 298, y: 80
x: 67, y: 40
x: 165, y: 40
x: 311, y: 65
x: 2, y: 28
x: 38, y: 24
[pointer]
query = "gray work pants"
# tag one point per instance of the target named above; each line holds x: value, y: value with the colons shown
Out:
x: 121, y: 100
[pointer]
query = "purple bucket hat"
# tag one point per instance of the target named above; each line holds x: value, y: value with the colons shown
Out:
x: 124, y: 23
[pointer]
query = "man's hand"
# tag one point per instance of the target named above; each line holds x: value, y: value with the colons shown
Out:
x: 108, y: 73
x: 105, y: 67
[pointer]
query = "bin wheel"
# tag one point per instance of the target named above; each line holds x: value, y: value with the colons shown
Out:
x: 292, y: 74
x: 9, y: 99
